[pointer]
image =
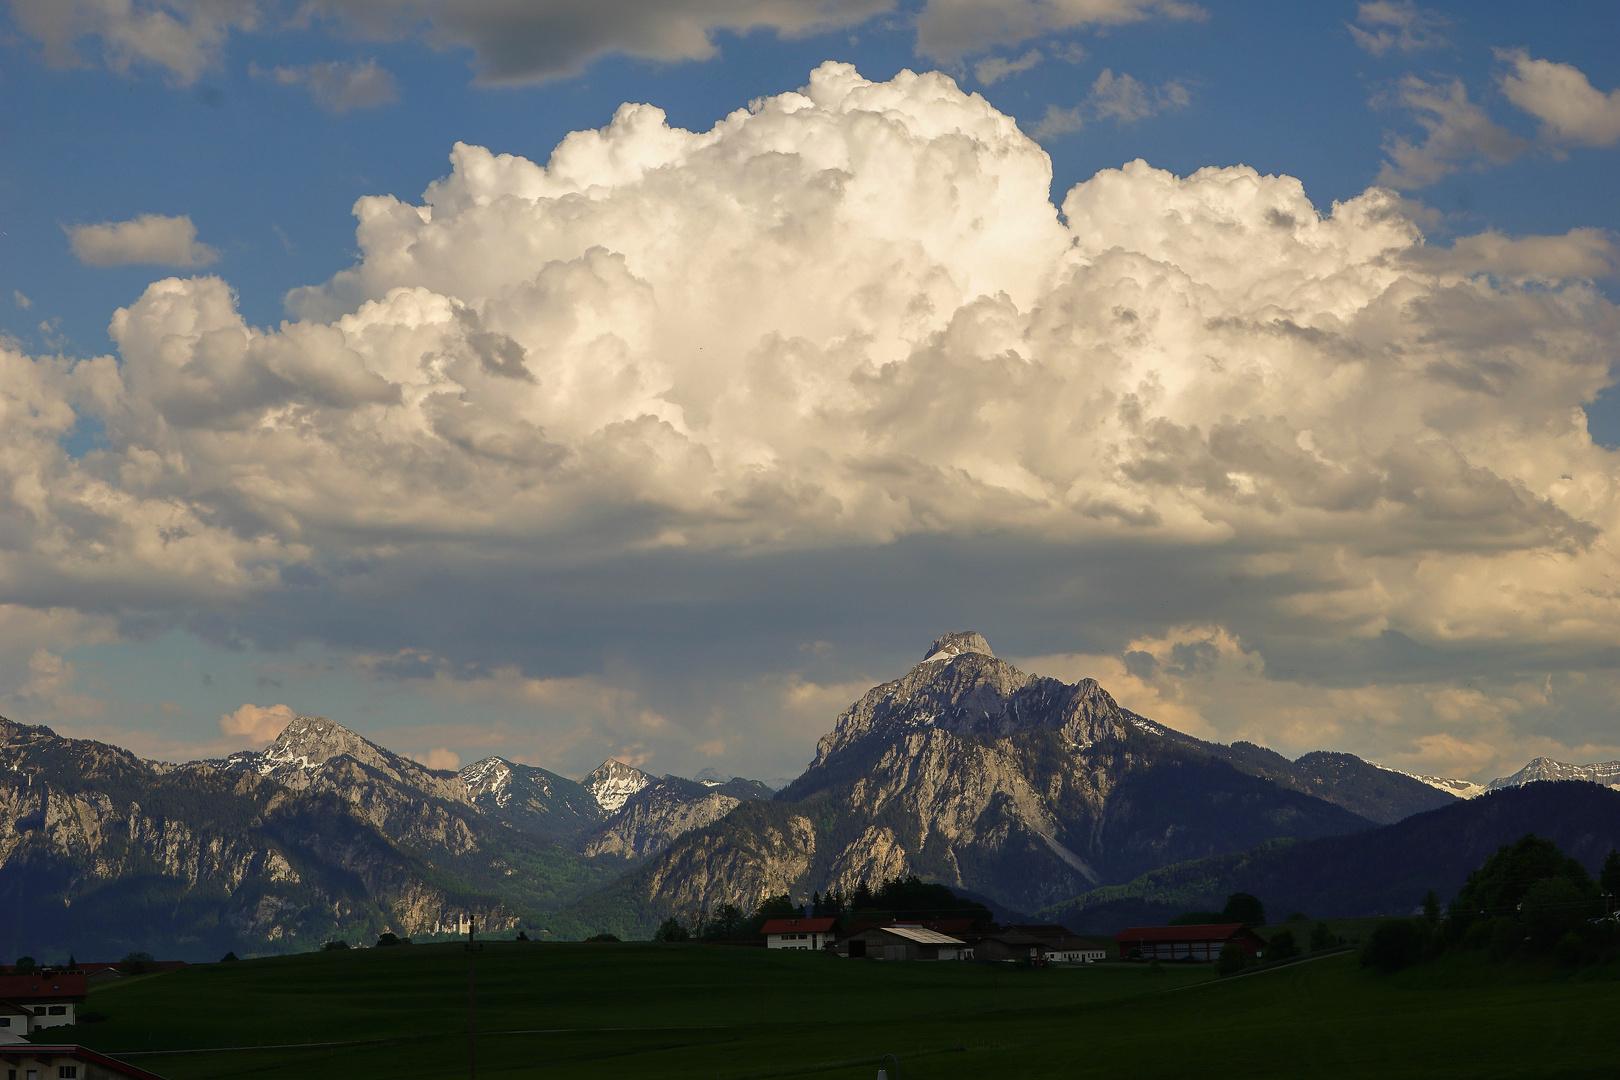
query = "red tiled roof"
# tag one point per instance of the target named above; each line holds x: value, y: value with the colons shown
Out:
x: 797, y: 926
x: 1205, y: 932
x: 52, y: 987
x: 17, y: 1051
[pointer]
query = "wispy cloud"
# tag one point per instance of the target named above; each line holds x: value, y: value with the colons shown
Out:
x: 1120, y: 98
x: 338, y: 86
x: 992, y: 69
x: 1399, y: 25
x: 1459, y: 134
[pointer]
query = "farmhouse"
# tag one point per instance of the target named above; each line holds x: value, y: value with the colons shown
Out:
x: 903, y: 941
x: 811, y: 934
x: 1187, y: 942
x: 69, y: 1062
x: 46, y: 999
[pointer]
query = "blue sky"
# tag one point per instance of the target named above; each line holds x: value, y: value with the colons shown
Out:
x: 263, y: 128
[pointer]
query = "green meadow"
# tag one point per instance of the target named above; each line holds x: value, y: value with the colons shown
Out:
x: 713, y: 1012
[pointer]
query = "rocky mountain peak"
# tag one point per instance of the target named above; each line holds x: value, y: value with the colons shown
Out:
x: 950, y: 646
x: 612, y: 782
x: 491, y: 777
x: 1606, y: 773
x: 309, y: 742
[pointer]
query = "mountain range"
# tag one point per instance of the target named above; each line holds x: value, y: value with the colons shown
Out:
x: 1019, y: 789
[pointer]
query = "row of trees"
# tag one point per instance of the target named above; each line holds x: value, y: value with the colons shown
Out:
x: 1527, y: 900
x: 895, y: 898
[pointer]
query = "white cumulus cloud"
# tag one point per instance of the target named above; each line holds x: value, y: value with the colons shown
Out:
x: 843, y: 345
x: 1571, y: 110
x: 259, y: 723
x: 151, y: 238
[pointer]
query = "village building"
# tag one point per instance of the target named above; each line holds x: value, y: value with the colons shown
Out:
x: 810, y: 934
x: 50, y: 998
x: 1063, y: 946
x: 1187, y: 942
x: 24, y: 1062
x: 901, y: 941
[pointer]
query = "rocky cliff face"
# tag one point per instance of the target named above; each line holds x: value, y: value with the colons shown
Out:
x: 651, y: 819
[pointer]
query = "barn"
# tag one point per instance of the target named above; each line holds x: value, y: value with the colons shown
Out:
x: 1187, y: 942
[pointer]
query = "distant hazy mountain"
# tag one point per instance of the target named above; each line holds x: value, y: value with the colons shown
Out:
x: 1383, y: 871
x: 1606, y: 773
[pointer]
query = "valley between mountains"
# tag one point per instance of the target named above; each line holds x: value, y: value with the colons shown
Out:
x: 1020, y: 790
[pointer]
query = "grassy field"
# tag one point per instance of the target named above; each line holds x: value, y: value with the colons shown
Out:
x: 673, y: 1011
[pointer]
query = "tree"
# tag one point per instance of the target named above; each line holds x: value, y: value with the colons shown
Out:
x: 335, y: 946
x: 1282, y: 946
x: 25, y: 965
x: 136, y: 963
x: 861, y: 898
x: 523, y: 935
x: 228, y: 958
x: 726, y: 922
x: 1321, y: 937
x: 1232, y: 960
x: 671, y: 929
x: 1243, y: 908
x: 603, y: 937
x: 72, y: 963
x: 1499, y: 885
x: 387, y: 938
x: 1553, y: 908
x: 1431, y: 908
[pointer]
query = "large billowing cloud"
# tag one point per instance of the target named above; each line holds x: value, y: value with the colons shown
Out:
x: 705, y: 397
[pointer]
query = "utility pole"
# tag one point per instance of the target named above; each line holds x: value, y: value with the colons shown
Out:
x: 472, y: 947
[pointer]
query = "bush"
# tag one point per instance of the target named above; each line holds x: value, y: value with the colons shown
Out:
x: 335, y: 946
x: 603, y: 937
x: 1395, y: 944
x: 1233, y: 959
x: 91, y: 1018
x: 386, y: 939
x: 1507, y: 937
x: 25, y: 965
x: 1282, y: 946
x: 1322, y: 937
x: 1570, y: 949
x: 522, y: 936
x: 671, y: 929
x: 228, y: 958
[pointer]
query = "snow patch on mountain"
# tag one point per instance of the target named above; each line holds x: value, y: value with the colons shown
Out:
x: 1463, y: 789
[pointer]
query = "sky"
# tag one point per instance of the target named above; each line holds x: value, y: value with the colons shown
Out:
x: 568, y: 380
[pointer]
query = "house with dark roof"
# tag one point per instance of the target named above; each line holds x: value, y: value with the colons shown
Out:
x: 1187, y: 942
x: 810, y: 934
x: 49, y: 998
